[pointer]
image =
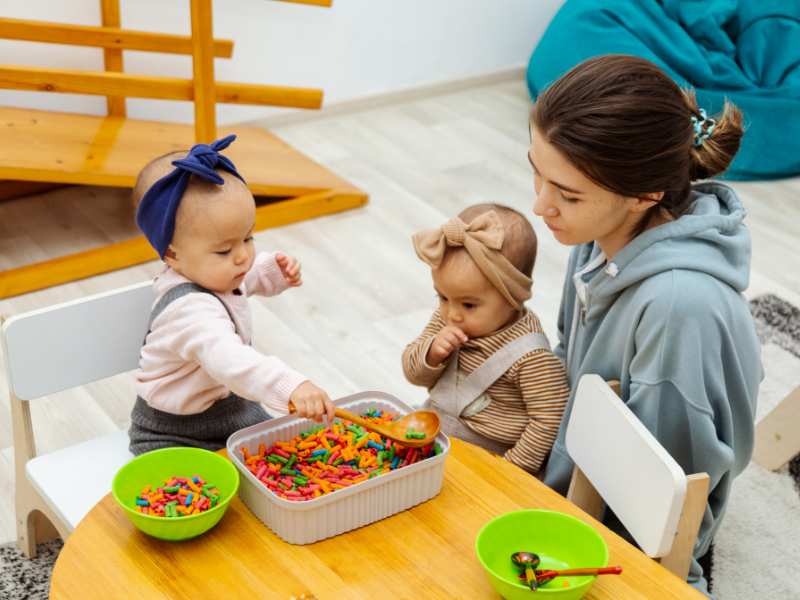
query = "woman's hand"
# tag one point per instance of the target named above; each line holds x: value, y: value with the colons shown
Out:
x: 290, y: 268
x: 448, y: 340
x: 311, y: 402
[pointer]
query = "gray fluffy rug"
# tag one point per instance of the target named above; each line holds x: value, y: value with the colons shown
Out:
x: 23, y: 579
x: 757, y: 549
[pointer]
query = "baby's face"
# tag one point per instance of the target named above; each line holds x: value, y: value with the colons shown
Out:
x: 467, y: 299
x: 213, y: 241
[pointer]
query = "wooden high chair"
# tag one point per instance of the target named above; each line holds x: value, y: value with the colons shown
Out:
x: 41, y: 148
x: 619, y: 463
x: 55, y: 349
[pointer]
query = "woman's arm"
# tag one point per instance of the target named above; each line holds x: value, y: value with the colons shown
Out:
x: 693, y: 382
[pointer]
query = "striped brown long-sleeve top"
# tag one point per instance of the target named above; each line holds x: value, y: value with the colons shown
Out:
x: 527, y: 401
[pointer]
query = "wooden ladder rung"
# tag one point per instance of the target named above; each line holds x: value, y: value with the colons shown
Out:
x: 15, y: 77
x: 104, y: 37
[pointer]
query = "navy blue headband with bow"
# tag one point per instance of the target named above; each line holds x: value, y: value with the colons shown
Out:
x: 156, y: 213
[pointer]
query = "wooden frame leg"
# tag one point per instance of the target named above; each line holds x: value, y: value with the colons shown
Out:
x: 36, y: 523
x: 205, y: 119
x: 615, y: 386
x: 694, y: 507
x: 34, y: 519
x: 583, y: 494
x: 112, y: 57
x: 777, y: 435
x: 44, y: 530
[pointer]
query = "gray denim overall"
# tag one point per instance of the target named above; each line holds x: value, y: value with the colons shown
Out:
x: 152, y: 429
x: 456, y: 396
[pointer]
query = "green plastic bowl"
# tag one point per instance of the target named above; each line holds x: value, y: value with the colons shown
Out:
x: 561, y: 541
x: 154, y: 468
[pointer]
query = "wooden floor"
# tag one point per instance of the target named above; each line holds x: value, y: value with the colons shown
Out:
x: 365, y: 293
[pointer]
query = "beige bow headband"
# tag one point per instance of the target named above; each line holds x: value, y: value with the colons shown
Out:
x: 482, y: 239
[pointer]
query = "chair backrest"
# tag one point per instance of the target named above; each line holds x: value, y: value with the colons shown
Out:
x: 74, y: 343
x: 636, y: 477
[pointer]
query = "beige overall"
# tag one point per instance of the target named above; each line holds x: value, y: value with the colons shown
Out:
x: 456, y: 396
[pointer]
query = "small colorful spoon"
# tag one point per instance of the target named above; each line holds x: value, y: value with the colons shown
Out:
x: 545, y: 575
x: 527, y: 561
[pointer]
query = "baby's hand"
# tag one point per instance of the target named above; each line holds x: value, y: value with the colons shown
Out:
x: 448, y: 340
x: 311, y: 402
x: 290, y: 268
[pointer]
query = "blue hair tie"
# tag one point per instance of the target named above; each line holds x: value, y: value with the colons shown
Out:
x: 156, y: 213
x: 703, y: 128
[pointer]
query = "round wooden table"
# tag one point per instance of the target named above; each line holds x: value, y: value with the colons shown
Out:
x: 425, y: 552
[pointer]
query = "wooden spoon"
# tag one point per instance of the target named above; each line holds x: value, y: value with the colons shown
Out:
x: 421, y: 421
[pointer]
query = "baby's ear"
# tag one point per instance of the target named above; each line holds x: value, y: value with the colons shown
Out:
x: 170, y: 257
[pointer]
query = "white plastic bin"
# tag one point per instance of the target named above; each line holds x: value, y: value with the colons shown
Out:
x: 304, y: 522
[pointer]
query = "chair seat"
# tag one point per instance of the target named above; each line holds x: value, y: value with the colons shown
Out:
x: 74, y: 479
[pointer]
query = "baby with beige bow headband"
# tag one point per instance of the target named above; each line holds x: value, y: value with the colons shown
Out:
x: 483, y: 356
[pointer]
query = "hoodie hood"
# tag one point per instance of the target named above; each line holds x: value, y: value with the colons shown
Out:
x: 711, y: 239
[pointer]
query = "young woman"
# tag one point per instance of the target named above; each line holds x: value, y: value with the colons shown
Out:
x: 653, y: 292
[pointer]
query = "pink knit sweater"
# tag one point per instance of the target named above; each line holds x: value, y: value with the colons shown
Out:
x: 193, y: 357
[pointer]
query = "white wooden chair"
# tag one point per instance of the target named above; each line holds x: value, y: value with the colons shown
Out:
x: 777, y: 434
x: 619, y: 463
x: 51, y: 350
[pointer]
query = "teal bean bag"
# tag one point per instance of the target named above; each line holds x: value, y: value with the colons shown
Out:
x: 747, y: 51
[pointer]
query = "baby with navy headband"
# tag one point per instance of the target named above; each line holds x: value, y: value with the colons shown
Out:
x: 199, y: 378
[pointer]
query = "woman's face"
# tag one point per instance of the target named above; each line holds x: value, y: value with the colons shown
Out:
x: 576, y: 209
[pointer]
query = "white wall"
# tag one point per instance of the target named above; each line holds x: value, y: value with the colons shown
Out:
x: 354, y: 49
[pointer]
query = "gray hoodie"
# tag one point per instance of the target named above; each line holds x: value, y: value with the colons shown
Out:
x: 667, y: 318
